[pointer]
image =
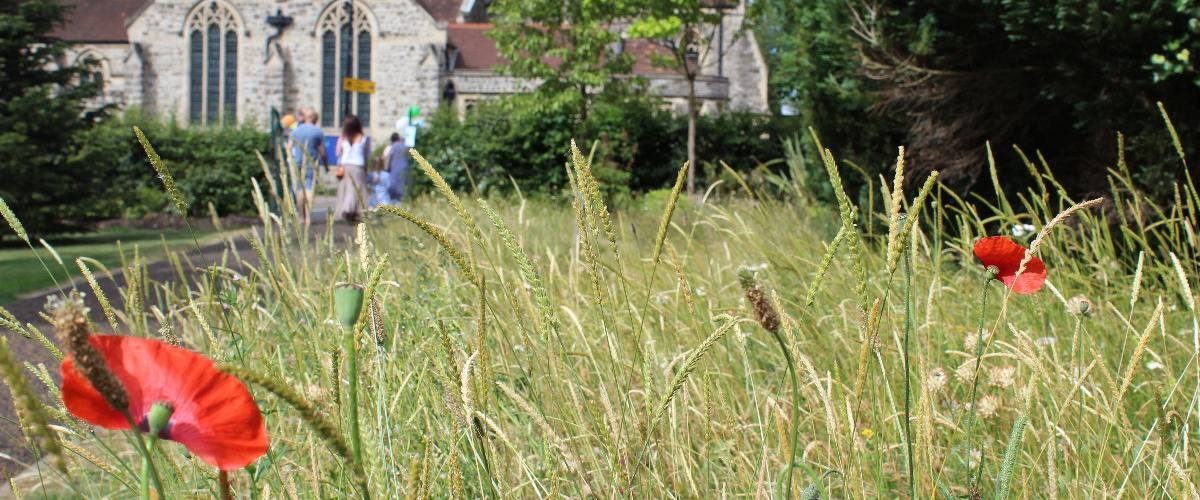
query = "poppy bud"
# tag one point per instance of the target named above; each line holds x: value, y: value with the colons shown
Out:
x: 347, y: 303
x: 1079, y: 305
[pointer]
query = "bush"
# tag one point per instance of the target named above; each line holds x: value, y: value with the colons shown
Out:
x: 517, y: 142
x: 210, y: 165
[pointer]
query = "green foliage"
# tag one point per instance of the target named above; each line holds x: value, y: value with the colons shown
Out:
x: 1061, y: 78
x: 659, y: 360
x: 43, y: 107
x: 65, y: 166
x: 677, y: 25
x: 518, y: 142
x: 816, y: 71
x: 569, y: 45
x: 211, y: 165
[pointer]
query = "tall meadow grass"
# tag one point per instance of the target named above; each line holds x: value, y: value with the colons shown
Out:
x: 528, y: 348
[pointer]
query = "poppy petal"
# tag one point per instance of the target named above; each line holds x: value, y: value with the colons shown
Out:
x: 83, y: 401
x: 1006, y: 255
x: 1001, y: 252
x: 214, y: 416
x: 1030, y: 280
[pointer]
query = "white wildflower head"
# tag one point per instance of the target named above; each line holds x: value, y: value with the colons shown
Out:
x: 1020, y: 230
x: 971, y: 340
x: 1044, y: 341
x: 974, y: 457
x: 1002, y: 376
x: 1079, y: 305
x: 966, y: 371
x: 988, y: 406
x: 936, y: 381
x: 72, y: 301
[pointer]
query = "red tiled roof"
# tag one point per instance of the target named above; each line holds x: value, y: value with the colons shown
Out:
x: 644, y: 62
x: 442, y: 10
x: 477, y: 51
x: 97, y: 20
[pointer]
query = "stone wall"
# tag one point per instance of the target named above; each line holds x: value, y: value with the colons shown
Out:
x: 745, y: 67
x: 405, y: 59
x: 119, y: 67
x: 406, y: 65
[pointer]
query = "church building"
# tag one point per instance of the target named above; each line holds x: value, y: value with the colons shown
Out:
x: 220, y: 61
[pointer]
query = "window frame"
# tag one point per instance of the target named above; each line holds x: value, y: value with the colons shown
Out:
x: 334, y: 22
x: 212, y: 88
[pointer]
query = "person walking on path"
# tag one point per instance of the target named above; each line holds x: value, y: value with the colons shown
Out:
x: 353, y: 149
x: 396, y: 162
x: 308, y: 152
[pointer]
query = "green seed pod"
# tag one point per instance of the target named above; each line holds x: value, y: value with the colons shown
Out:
x: 347, y: 303
x: 158, y: 417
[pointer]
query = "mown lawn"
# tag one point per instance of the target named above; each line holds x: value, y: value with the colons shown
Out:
x: 23, y: 274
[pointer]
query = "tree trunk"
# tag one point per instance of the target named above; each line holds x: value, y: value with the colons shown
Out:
x: 691, y: 139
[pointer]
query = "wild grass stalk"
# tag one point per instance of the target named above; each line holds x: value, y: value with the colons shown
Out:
x: 480, y: 406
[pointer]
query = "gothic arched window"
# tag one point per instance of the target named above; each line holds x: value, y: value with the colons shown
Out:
x: 212, y: 55
x: 345, y: 30
x: 96, y: 67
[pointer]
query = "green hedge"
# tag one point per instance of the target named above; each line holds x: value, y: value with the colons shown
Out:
x: 210, y: 165
x: 521, y: 142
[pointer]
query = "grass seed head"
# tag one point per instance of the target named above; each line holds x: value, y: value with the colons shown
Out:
x: 71, y: 325
x: 13, y: 222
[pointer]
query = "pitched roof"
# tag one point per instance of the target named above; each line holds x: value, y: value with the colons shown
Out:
x: 644, y: 63
x: 97, y: 20
x: 442, y: 10
x: 477, y: 51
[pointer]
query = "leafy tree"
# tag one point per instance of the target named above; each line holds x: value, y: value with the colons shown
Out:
x: 42, y: 108
x: 816, y: 73
x: 570, y: 45
x: 686, y: 29
x: 1058, y: 77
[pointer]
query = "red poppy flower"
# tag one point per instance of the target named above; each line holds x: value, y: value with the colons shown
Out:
x: 214, y: 415
x: 1006, y: 256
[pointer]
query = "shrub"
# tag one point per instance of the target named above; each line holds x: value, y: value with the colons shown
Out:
x: 210, y: 165
x: 517, y: 142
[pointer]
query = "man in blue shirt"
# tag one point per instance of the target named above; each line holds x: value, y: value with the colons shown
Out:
x: 308, y: 151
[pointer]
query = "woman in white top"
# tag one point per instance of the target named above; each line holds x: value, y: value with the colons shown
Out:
x: 353, y: 149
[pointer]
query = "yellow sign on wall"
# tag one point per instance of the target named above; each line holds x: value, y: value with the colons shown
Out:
x: 358, y: 85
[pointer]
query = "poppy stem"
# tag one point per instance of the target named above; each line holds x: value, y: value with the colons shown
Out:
x: 148, y: 469
x: 979, y: 347
x: 352, y: 393
x: 908, y: 329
